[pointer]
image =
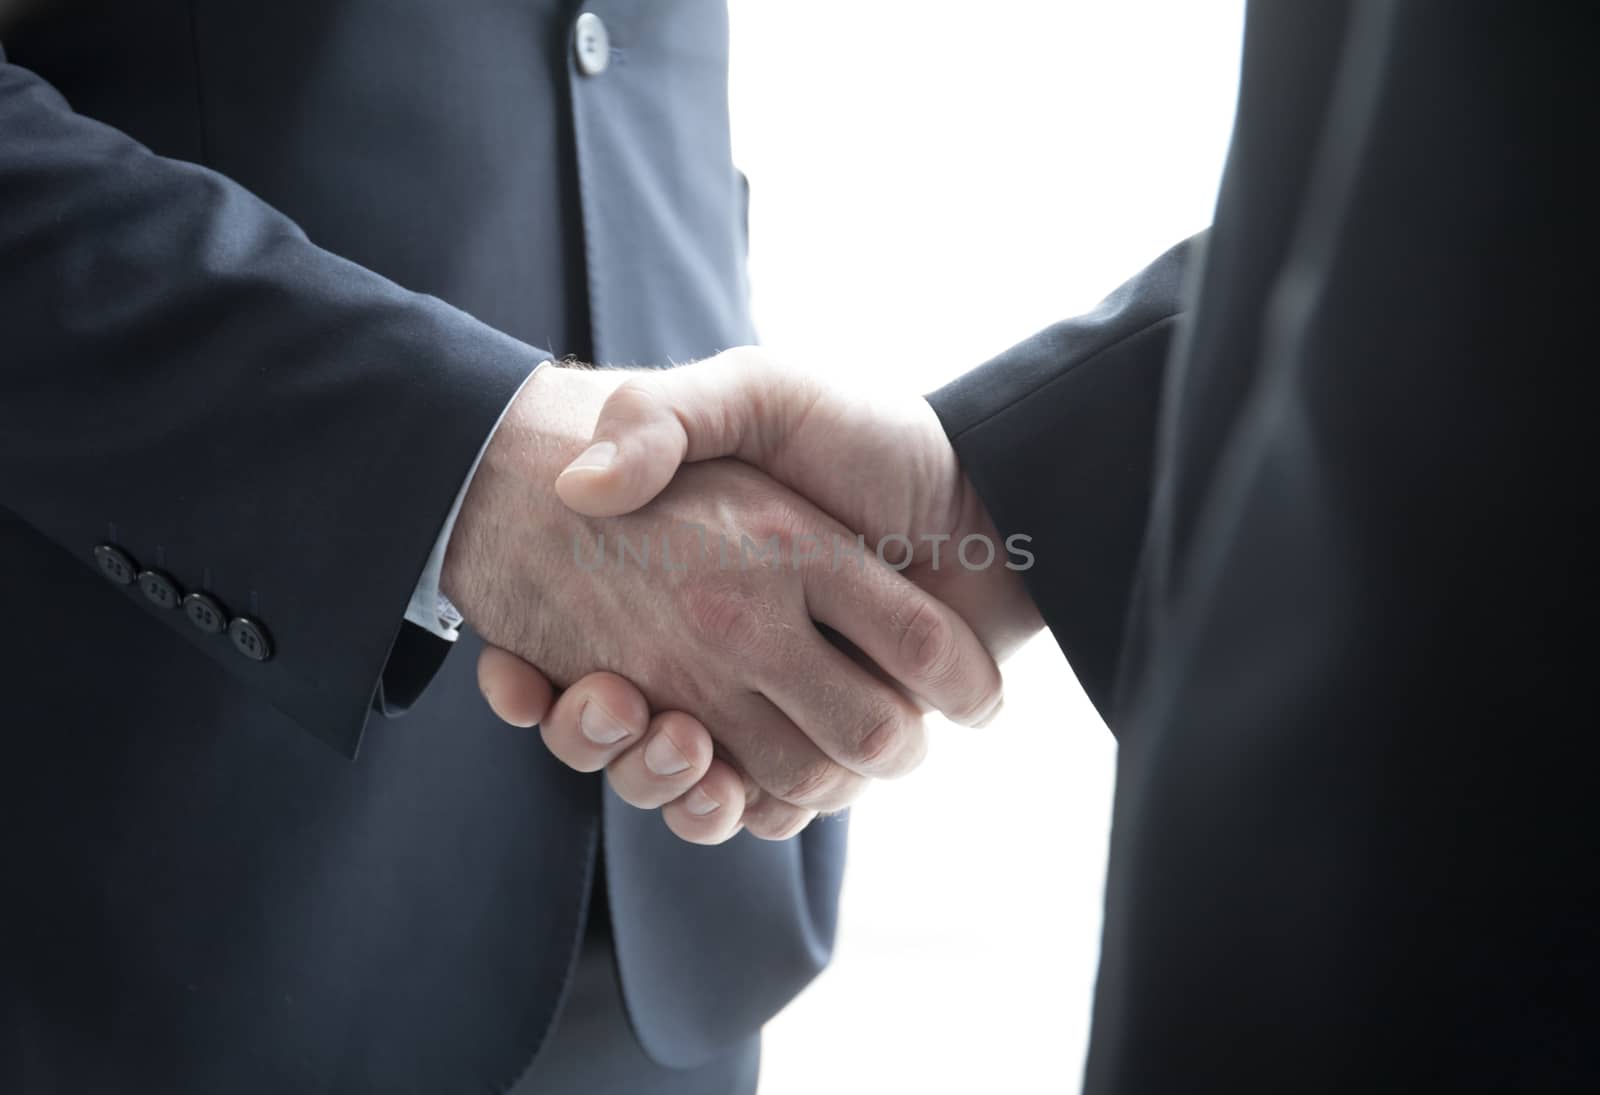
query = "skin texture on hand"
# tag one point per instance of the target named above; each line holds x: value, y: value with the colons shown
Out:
x: 730, y: 642
x: 881, y: 469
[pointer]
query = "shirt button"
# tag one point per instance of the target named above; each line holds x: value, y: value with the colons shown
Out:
x: 205, y: 613
x: 250, y: 639
x: 593, y: 44
x: 159, y: 589
x: 115, y: 564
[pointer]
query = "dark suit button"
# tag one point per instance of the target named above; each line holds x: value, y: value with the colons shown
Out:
x: 115, y: 564
x: 205, y: 613
x: 159, y: 589
x: 250, y: 639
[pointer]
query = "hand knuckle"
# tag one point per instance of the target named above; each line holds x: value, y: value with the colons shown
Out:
x: 813, y: 782
x: 724, y: 618
x: 633, y: 399
x: 927, y: 643
x: 881, y: 739
x: 768, y: 521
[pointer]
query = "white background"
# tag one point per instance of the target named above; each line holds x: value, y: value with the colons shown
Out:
x: 932, y: 182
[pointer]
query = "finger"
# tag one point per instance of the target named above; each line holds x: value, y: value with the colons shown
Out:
x: 594, y: 721
x: 919, y: 641
x: 712, y: 810
x: 515, y: 690
x: 862, y: 723
x: 731, y: 405
x: 770, y: 818
x: 773, y: 819
x: 781, y: 760
x: 672, y: 757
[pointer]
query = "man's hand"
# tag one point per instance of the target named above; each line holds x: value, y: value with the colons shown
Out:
x: 672, y: 597
x: 885, y: 471
x: 665, y: 762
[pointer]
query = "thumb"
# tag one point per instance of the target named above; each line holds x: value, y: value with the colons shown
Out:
x: 651, y: 425
x: 637, y: 445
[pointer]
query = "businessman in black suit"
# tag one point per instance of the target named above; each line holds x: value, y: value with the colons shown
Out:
x: 278, y: 283
x: 1313, y: 516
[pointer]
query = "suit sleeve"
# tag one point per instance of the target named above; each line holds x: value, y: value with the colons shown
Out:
x: 1058, y: 436
x: 185, y: 376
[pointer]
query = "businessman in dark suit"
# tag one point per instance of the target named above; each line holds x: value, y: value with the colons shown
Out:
x: 276, y: 285
x: 1313, y: 514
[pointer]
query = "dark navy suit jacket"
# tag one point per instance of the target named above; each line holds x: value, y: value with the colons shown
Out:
x: 1315, y: 519
x: 269, y: 273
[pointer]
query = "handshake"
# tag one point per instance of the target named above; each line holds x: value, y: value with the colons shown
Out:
x: 749, y: 585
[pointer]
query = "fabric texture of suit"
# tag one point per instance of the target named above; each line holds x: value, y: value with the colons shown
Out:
x: 1315, y: 522
x: 269, y: 273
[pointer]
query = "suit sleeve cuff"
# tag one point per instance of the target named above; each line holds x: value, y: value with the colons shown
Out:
x: 1057, y: 436
x: 430, y: 609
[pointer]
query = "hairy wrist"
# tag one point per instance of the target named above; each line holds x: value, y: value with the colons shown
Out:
x: 547, y: 425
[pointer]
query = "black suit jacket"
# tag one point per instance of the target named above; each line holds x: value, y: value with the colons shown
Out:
x: 1314, y: 516
x: 269, y: 273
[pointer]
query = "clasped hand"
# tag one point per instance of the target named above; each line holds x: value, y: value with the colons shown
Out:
x: 767, y: 564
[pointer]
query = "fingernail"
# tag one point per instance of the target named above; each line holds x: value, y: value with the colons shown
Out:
x: 596, y: 457
x: 698, y: 803
x: 664, y: 758
x: 599, y: 727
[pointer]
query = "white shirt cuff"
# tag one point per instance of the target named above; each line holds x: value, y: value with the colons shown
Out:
x: 430, y: 609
